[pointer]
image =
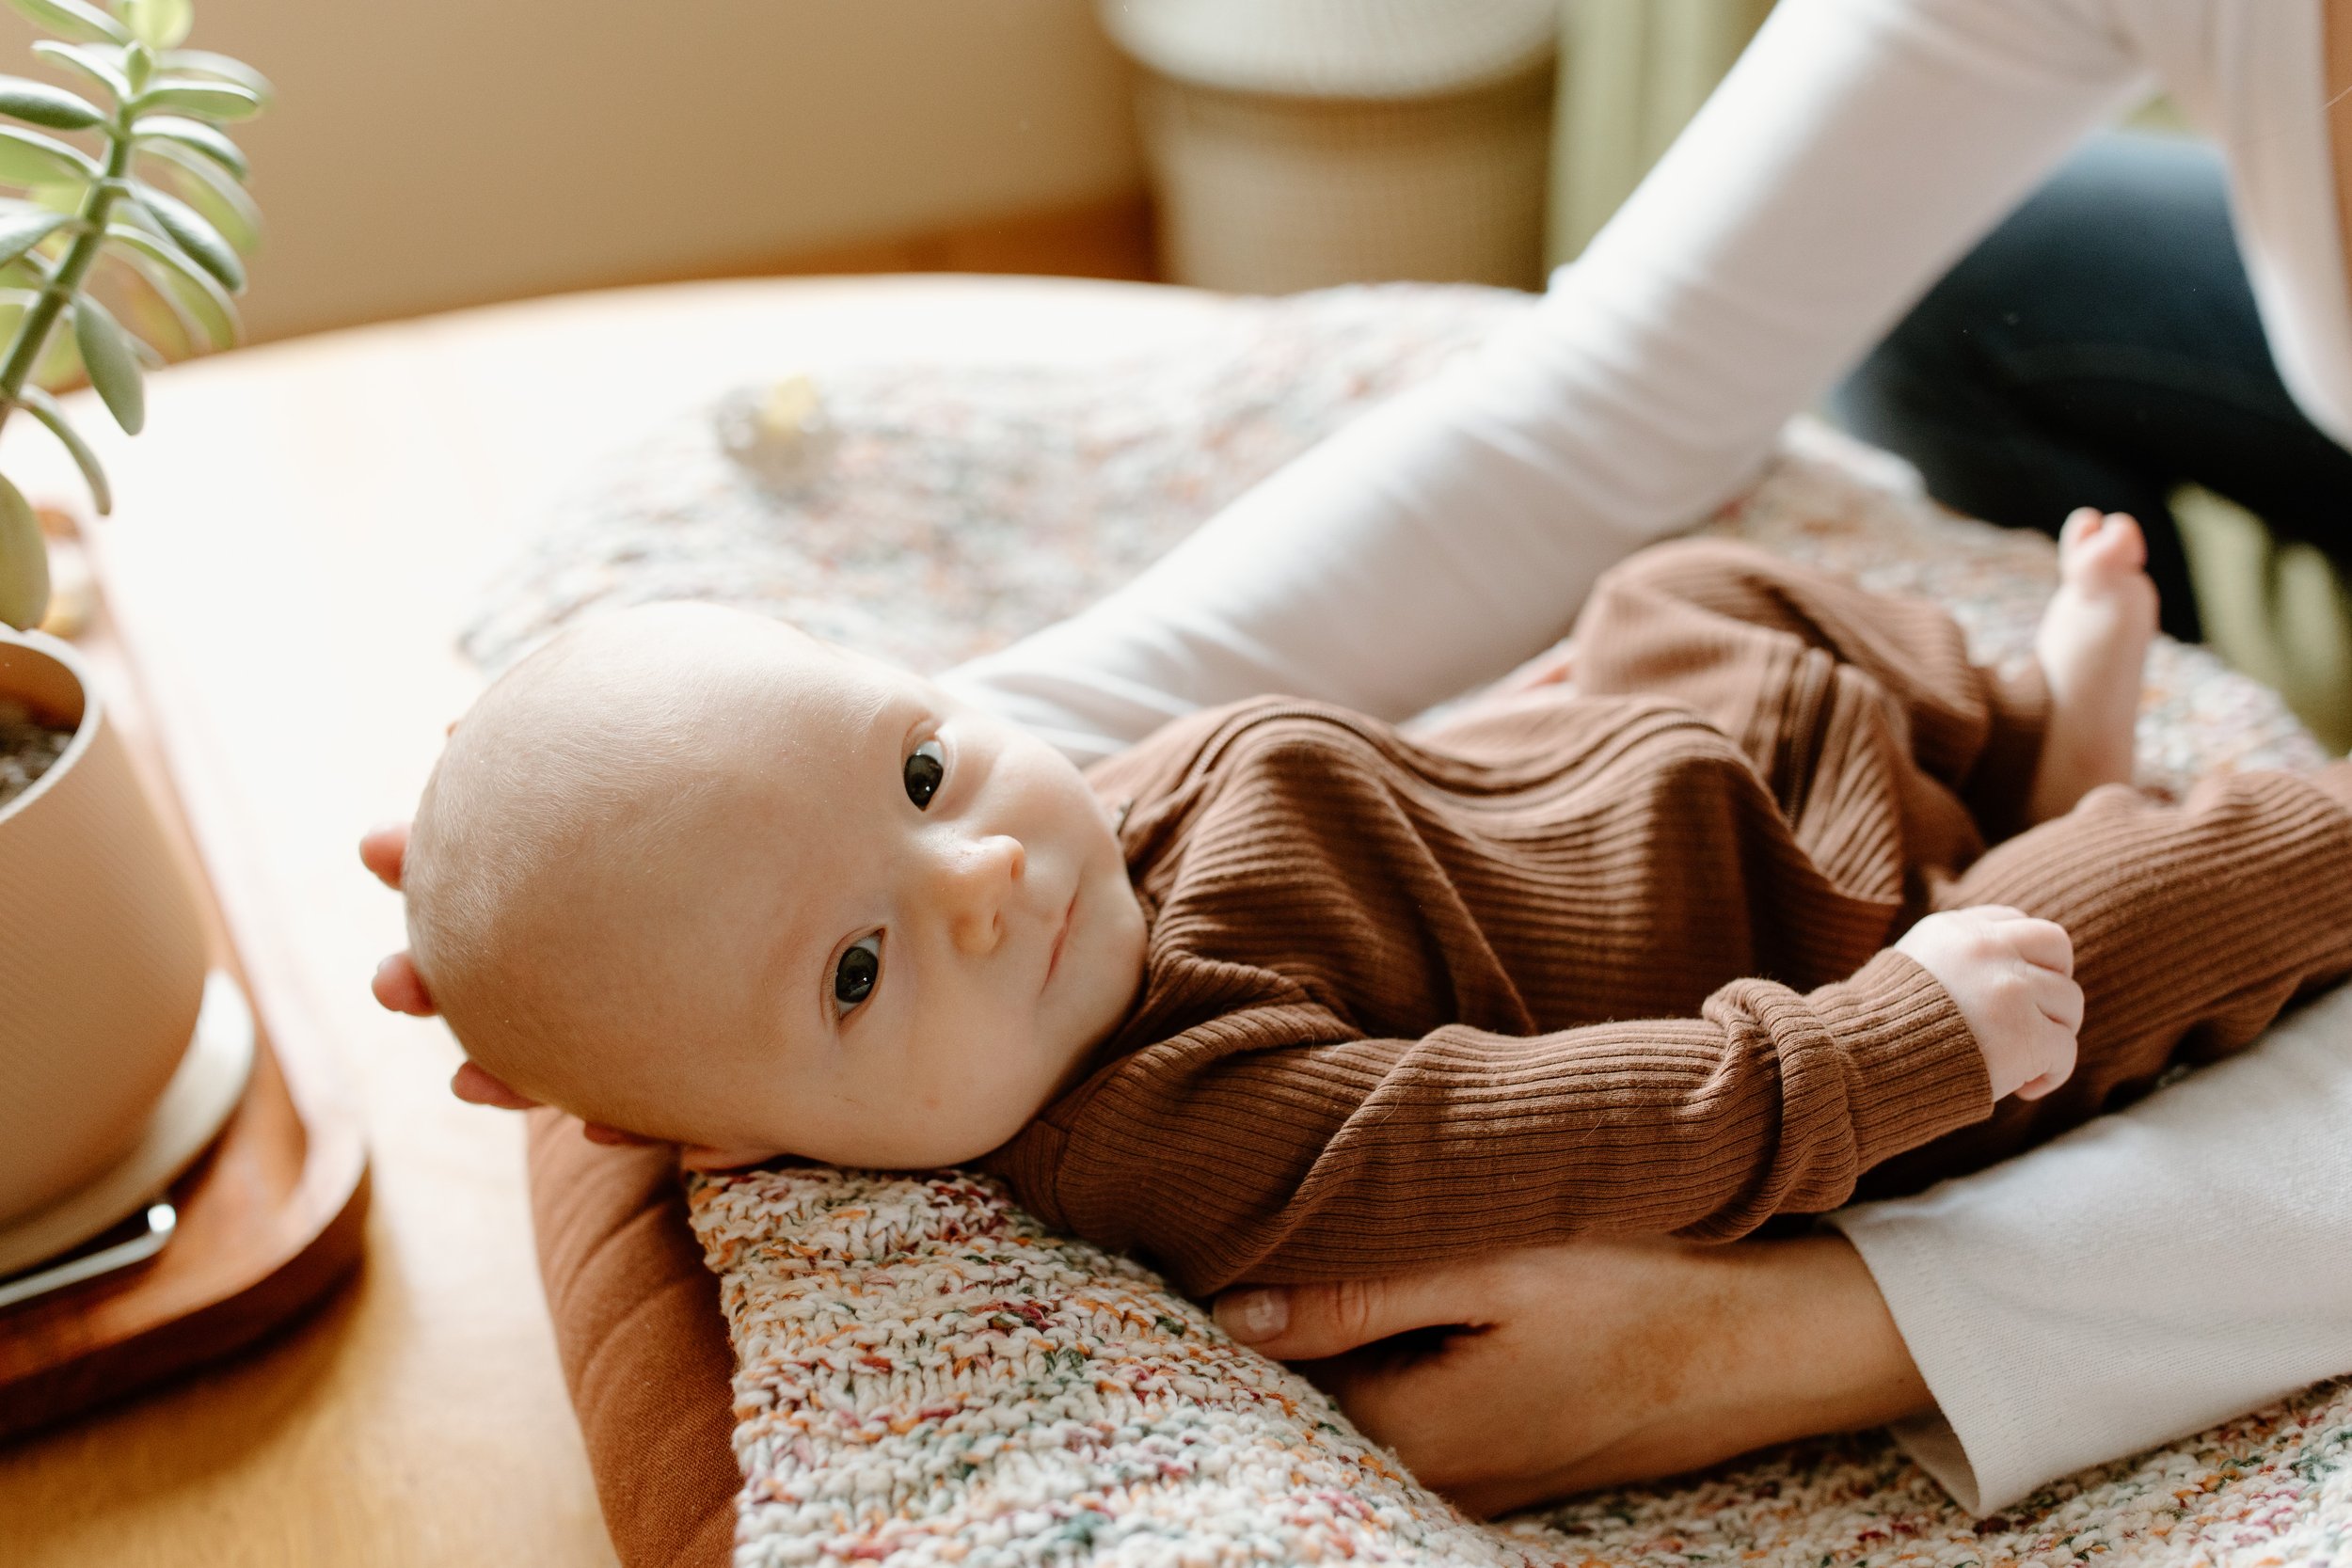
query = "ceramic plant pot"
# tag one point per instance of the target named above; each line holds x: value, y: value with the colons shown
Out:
x: 102, y: 949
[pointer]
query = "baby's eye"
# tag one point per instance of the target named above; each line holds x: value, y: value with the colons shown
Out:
x: 924, y: 770
x: 853, y: 977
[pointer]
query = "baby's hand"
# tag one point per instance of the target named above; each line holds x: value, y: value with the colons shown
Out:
x: 2011, y: 976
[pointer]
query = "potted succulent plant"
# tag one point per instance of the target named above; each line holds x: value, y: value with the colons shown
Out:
x: 119, y: 250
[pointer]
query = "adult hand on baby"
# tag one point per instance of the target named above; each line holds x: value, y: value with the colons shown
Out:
x: 397, y: 985
x: 2012, y: 977
x: 1547, y: 1371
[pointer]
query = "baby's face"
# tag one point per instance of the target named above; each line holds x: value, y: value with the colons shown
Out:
x: 887, y: 937
x: 940, y: 911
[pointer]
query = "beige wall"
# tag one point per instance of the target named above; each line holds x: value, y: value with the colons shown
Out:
x: 425, y: 153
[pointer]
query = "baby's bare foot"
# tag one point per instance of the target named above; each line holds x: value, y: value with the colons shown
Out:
x: 2093, y: 643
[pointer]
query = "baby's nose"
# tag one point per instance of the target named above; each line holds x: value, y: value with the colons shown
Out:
x: 980, y: 879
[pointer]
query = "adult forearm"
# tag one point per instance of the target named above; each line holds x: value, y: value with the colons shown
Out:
x: 1778, y: 1342
x: 1600, y: 1362
x: 1854, y: 152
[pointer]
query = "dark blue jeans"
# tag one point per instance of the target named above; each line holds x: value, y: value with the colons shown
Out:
x: 2098, y: 348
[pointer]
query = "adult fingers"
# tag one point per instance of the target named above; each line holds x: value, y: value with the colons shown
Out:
x: 477, y: 1086
x: 398, y: 986
x: 383, y: 848
x: 1306, y: 1322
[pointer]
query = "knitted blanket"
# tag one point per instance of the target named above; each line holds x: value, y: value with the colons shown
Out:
x: 924, y: 1374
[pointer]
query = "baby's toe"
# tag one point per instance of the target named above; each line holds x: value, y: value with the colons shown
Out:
x: 2102, y: 550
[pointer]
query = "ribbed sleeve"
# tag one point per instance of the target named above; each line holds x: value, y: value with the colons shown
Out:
x: 1616, y: 961
x: 1364, y: 1156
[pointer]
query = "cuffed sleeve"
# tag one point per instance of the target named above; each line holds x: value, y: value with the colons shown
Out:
x: 2138, y: 1280
x: 1318, y: 1161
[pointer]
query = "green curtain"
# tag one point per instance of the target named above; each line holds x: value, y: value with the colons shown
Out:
x: 1632, y: 72
x: 2279, y: 611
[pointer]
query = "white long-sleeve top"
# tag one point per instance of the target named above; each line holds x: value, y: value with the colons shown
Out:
x: 1856, y: 150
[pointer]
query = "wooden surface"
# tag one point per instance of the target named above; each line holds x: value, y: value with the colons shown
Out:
x: 298, y: 534
x: 269, y: 1218
x: 255, y: 1244
x: 1108, y: 237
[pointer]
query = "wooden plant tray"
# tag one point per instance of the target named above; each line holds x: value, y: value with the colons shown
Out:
x: 270, y: 1217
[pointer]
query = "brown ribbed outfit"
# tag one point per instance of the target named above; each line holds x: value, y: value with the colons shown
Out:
x: 1614, y: 960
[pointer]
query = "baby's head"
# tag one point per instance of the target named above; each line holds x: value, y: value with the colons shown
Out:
x: 696, y: 875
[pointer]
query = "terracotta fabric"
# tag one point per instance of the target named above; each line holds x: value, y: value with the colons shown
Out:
x: 643, y: 1346
x: 1613, y: 959
x: 1849, y: 763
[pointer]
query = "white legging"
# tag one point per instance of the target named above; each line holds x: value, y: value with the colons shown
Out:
x: 2149, y: 1275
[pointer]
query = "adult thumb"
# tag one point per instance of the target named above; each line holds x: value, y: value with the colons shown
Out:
x: 1306, y: 1322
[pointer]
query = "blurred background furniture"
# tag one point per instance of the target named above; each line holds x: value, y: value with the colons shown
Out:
x: 1632, y: 72
x: 1294, y: 144
x: 440, y: 153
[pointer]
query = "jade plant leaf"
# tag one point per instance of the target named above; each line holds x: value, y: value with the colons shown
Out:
x: 112, y: 363
x: 13, y: 304
x: 191, y: 96
x: 94, y: 61
x: 158, y: 24
x: 151, y: 319
x: 23, y: 562
x: 44, y: 408
x: 29, y: 158
x: 63, y: 198
x: 173, y: 245
x: 60, y: 365
x: 188, y: 229
x: 204, y: 138
x: 24, y: 228
x: 200, y: 300
x: 203, y: 62
x: 71, y: 19
x: 38, y: 103
x: 214, y: 195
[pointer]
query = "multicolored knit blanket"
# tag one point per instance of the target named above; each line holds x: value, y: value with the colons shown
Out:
x: 926, y: 1375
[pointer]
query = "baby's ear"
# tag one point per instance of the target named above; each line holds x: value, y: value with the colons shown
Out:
x: 476, y: 1087
x: 703, y: 1157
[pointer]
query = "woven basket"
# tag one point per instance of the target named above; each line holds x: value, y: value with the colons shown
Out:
x: 1295, y: 147
x: 1262, y: 194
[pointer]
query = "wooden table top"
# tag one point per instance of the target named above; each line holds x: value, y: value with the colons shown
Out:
x: 297, y: 536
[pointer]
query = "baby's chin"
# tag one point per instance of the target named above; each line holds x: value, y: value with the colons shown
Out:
x: 905, y: 1146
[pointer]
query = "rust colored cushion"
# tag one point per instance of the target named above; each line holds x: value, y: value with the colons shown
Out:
x: 642, y: 1342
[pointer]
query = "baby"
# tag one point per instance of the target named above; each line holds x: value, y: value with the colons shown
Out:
x: 1286, y: 994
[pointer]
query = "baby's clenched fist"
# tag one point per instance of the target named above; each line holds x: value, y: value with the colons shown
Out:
x: 2011, y: 976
